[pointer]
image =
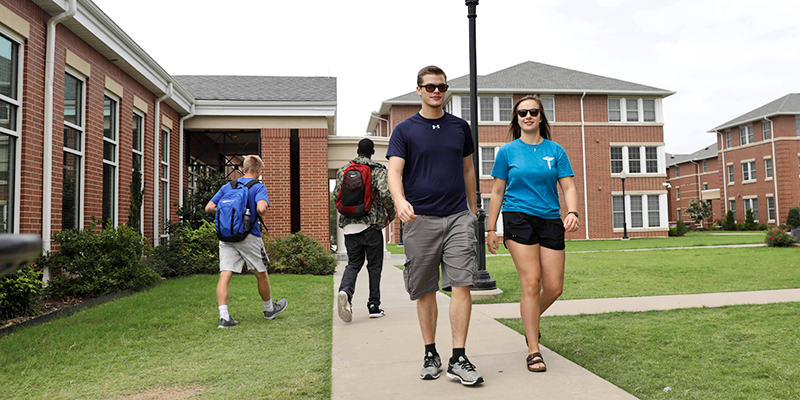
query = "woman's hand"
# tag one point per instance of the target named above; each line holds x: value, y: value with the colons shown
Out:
x: 571, y: 223
x: 491, y: 242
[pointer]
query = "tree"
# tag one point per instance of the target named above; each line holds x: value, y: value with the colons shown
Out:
x: 749, y: 222
x: 730, y: 222
x: 699, y: 211
x: 793, y: 218
x: 194, y: 213
x: 137, y: 197
x: 680, y: 228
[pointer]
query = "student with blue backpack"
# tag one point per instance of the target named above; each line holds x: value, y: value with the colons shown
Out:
x: 238, y: 207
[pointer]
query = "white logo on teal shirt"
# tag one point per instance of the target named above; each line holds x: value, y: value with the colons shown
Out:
x: 548, y: 159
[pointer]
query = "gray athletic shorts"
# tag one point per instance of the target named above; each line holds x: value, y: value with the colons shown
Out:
x: 432, y: 241
x: 233, y: 256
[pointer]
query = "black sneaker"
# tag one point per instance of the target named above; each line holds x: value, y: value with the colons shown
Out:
x: 375, y: 311
x: 226, y: 323
x: 277, y: 308
x: 431, y: 367
x: 464, y: 371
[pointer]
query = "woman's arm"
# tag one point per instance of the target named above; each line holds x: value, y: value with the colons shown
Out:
x: 495, y: 204
x: 571, y: 197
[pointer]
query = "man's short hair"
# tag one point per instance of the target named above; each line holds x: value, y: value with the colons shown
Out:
x: 430, y: 70
x: 252, y: 164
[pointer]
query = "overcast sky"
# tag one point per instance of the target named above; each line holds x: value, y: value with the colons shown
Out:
x: 723, y: 58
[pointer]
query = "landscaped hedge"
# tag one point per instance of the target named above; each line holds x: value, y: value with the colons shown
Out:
x: 299, y: 253
x: 187, y: 251
x: 19, y: 293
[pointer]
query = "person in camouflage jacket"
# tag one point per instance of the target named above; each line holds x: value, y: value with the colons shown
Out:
x: 363, y: 237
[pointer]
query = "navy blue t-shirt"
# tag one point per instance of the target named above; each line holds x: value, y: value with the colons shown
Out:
x: 256, y: 193
x: 434, y: 150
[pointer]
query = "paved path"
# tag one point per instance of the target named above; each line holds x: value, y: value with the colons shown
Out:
x: 381, y: 358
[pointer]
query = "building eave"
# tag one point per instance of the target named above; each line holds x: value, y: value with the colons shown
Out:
x: 265, y: 108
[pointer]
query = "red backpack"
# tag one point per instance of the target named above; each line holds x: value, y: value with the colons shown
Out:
x: 355, y: 194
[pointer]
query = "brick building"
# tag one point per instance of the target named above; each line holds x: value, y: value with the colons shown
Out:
x: 606, y: 126
x: 694, y: 176
x: 66, y: 67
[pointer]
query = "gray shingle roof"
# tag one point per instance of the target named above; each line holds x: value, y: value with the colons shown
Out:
x: 259, y: 88
x: 705, y: 153
x: 789, y: 104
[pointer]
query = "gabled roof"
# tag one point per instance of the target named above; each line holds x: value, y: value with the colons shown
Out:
x: 789, y: 104
x: 259, y: 88
x: 705, y: 153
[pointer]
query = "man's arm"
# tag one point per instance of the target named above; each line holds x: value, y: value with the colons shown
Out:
x: 382, y: 179
x: 469, y: 184
x: 211, y: 207
x: 404, y: 209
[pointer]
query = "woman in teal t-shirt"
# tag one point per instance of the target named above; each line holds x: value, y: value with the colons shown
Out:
x: 532, y: 166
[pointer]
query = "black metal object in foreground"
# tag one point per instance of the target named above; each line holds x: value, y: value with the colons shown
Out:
x: 484, y: 281
x: 18, y: 251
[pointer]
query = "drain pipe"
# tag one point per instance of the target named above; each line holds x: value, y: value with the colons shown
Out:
x: 157, y: 165
x: 699, y: 187
x: 724, y: 175
x: 181, y: 162
x: 384, y: 120
x: 774, y: 174
x: 47, y: 176
x: 585, y: 193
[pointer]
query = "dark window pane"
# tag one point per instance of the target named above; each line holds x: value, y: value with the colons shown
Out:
x: 72, y: 138
x: 465, y: 108
x: 634, y: 163
x: 487, y: 108
x: 8, y: 115
x: 72, y: 99
x: 649, y: 110
x: 7, y: 195
x: 108, y: 151
x: 108, y: 192
x: 109, y: 118
x: 8, y: 67
x: 70, y: 204
x: 137, y: 135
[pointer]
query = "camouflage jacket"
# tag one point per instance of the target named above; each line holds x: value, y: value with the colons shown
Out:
x: 382, y: 211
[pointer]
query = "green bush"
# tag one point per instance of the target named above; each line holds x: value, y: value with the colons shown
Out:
x: 680, y: 228
x: 764, y: 227
x: 779, y: 238
x: 749, y: 222
x: 187, y: 251
x: 194, y: 213
x: 741, y: 226
x: 19, y: 293
x: 299, y: 253
x: 793, y: 218
x: 91, y: 265
x: 673, y: 231
x: 730, y: 222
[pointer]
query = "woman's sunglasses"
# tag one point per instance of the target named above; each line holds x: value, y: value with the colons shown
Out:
x: 522, y: 112
x: 431, y: 87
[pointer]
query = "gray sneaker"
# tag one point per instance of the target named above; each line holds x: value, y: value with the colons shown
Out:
x: 464, y: 371
x: 344, y: 306
x: 224, y: 324
x: 431, y: 367
x: 277, y: 308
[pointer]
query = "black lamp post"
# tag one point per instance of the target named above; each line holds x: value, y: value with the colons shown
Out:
x: 484, y: 281
x: 624, y: 218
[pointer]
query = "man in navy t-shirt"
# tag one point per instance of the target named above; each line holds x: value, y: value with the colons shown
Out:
x: 432, y: 181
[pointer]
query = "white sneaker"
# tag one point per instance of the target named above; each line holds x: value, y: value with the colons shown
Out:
x: 344, y: 306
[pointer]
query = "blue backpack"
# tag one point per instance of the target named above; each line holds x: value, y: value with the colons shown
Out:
x: 233, y: 220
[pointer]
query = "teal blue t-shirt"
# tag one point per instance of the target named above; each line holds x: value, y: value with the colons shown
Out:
x: 531, y: 173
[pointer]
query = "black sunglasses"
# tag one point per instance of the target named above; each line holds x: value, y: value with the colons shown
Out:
x: 522, y: 112
x: 431, y: 87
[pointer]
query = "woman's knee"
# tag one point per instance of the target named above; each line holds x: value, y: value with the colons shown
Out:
x: 553, y: 290
x: 531, y: 287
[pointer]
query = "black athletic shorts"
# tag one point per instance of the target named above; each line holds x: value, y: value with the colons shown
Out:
x: 528, y: 229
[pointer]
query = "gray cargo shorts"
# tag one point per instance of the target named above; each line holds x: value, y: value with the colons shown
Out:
x: 431, y: 241
x: 234, y: 256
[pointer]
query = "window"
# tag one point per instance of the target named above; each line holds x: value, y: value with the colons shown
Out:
x: 486, y: 108
x: 549, y: 108
x: 770, y: 208
x: 705, y: 186
x: 487, y: 160
x: 746, y: 135
x: 616, y: 160
x: 705, y: 166
x: 109, y: 159
x: 732, y: 207
x: 499, y: 226
x: 465, y: 108
x: 634, y: 161
x: 197, y: 169
x: 731, y: 177
x: 677, y: 171
x: 679, y: 215
x: 644, y: 212
x: 797, y: 126
x: 649, y: 106
x: 751, y: 204
x: 73, y: 152
x: 138, y: 158
x: 765, y: 129
x: 614, y: 110
x: 10, y: 130
x: 506, y: 105
x: 768, y: 167
x: 632, y: 110
x: 651, y: 158
x: 618, y: 214
x: 748, y: 171
x: 164, y: 181
x: 728, y: 140
x: 677, y: 193
x: 653, y: 211
x: 637, y: 219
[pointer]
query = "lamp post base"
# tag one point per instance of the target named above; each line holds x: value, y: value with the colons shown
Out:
x: 484, y: 281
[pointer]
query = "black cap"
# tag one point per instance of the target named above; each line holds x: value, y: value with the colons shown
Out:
x: 366, y: 146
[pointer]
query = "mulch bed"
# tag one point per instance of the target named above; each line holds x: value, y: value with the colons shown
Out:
x: 47, y: 306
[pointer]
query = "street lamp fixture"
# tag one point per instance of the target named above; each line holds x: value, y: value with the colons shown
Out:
x: 622, y: 176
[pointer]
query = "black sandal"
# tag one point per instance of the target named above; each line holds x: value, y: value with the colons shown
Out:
x: 533, y: 359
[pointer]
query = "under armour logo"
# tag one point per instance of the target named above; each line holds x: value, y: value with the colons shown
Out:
x: 548, y: 159
x: 435, y: 127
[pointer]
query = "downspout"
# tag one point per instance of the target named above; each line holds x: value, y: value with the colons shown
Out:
x: 774, y: 174
x: 181, y: 162
x: 47, y: 176
x: 699, y: 188
x: 724, y: 174
x: 384, y: 120
x: 585, y: 190
x: 157, y: 165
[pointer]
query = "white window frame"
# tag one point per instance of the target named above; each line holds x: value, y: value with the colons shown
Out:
x: 705, y: 166
x: 770, y: 208
x: 660, y: 161
x: 487, y: 100
x: 746, y: 135
x: 663, y: 219
x: 141, y: 115
x: 551, y: 117
x: 164, y: 179
x: 458, y: 105
x: 728, y: 139
x: 82, y: 164
x: 15, y: 197
x: 748, y: 205
x: 768, y: 172
x: 677, y: 171
x: 749, y: 173
x: 115, y: 164
x: 623, y: 110
x: 677, y: 193
x: 766, y: 132
x: 497, y: 109
x: 732, y: 207
x: 480, y: 160
x: 731, y: 174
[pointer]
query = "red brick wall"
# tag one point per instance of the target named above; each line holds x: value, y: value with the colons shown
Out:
x: 275, y: 154
x: 314, y: 200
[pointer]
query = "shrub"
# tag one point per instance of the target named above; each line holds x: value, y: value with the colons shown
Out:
x: 741, y: 227
x: 730, y: 222
x: 194, y: 213
x: 793, y: 218
x: 779, y: 238
x: 137, y: 200
x: 680, y: 228
x: 749, y: 222
x: 764, y: 227
x: 187, y: 251
x: 19, y: 293
x: 91, y: 265
x: 299, y: 253
x: 673, y: 231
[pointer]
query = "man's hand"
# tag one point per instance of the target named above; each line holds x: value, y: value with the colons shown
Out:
x: 405, y: 210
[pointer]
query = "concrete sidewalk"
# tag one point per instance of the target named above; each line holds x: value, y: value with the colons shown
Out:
x: 382, y: 357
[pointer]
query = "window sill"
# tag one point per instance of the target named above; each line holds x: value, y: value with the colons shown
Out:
x: 749, y: 182
x: 634, y: 230
x: 640, y: 175
x: 767, y: 180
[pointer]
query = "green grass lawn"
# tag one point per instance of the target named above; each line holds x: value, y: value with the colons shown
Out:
x: 662, y: 272
x: 735, y: 352
x: 690, y: 240
x: 167, y: 339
